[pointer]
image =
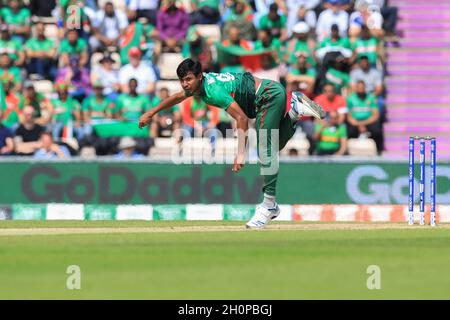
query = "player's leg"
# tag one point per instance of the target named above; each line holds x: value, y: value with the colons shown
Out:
x: 271, y: 102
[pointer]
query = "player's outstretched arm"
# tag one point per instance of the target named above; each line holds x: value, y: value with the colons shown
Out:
x: 242, y: 128
x: 167, y: 103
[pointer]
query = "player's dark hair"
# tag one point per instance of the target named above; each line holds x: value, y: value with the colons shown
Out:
x: 189, y: 65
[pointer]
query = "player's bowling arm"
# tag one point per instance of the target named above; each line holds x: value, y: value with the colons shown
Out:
x: 167, y: 103
x: 241, y: 118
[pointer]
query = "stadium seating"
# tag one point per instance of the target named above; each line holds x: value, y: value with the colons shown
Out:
x: 362, y: 147
x: 166, y: 64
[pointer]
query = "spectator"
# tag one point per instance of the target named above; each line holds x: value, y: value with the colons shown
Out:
x: 8, y: 71
x: 301, y: 11
x: 107, y: 27
x: 198, y: 116
x: 41, y: 53
x: 18, y: 19
x: 330, y: 101
x: 50, y: 150
x: 140, y: 35
x: 366, y: 45
x: 13, y: 105
x: 234, y: 40
x: 333, y: 44
x: 267, y: 42
x: 205, y: 12
x: 127, y: 147
x: 144, y: 74
x: 6, y: 139
x: 199, y: 48
x: 338, y: 75
x: 371, y: 77
x: 301, y: 77
x: 42, y: 8
x: 389, y: 13
x: 42, y: 107
x: 73, y: 46
x: 331, y: 136
x: 363, y: 116
x: 131, y: 105
x: 108, y: 76
x: 77, y: 78
x: 167, y: 120
x: 299, y: 43
x: 172, y: 24
x: 275, y: 23
x: 27, y: 135
x: 369, y: 15
x: 144, y: 9
x: 10, y: 46
x: 65, y: 110
x: 240, y: 17
x: 334, y: 15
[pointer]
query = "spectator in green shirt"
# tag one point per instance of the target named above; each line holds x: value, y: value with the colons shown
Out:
x: 12, y: 47
x: 366, y: 45
x: 130, y: 106
x: 198, y: 47
x: 41, y: 53
x: 274, y: 22
x: 65, y: 110
x: 18, y: 19
x: 330, y: 136
x: 300, y: 42
x: 205, y: 12
x: 338, y: 76
x: 363, y: 116
x: 302, y: 76
x: 10, y: 72
x: 71, y: 46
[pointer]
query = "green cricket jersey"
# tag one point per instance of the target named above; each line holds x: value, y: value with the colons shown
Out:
x: 132, y: 107
x: 266, y: 23
x: 63, y: 110
x: 338, y: 78
x: 79, y: 47
x: 366, y: 48
x: 34, y: 44
x: 330, y: 137
x: 11, y: 47
x: 361, y: 109
x: 219, y: 89
x: 21, y: 18
x: 13, y: 72
x: 93, y: 105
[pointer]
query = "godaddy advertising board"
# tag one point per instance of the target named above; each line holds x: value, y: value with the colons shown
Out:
x: 165, y: 183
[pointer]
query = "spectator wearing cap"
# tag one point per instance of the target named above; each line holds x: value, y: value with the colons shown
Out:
x: 300, y: 42
x: 172, y: 24
x: 13, y: 73
x: 144, y: 9
x: 241, y: 17
x: 6, y: 138
x: 108, y: 76
x: 12, y: 108
x: 302, y: 76
x: 131, y: 105
x: 334, y: 15
x: 205, y: 12
x: 26, y: 140
x: 18, y: 19
x: 77, y: 77
x: 138, y: 70
x: 41, y: 53
x: 49, y: 149
x: 330, y: 101
x: 108, y: 26
x: 366, y: 45
x: 65, y: 110
x: 127, y: 147
x: 300, y: 12
x: 42, y: 107
x: 73, y: 46
x: 369, y: 15
x: 198, y: 47
x: 11, y: 46
x: 275, y: 22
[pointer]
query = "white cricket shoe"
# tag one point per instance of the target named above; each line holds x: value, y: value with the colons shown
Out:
x: 262, y: 217
x: 301, y: 105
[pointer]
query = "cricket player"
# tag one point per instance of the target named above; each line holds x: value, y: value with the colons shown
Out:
x: 246, y: 97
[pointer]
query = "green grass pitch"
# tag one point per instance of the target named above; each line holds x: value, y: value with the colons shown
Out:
x: 308, y: 263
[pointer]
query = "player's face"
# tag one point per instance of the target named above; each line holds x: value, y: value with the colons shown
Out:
x: 190, y: 83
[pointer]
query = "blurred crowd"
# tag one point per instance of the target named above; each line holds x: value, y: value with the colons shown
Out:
x: 77, y: 74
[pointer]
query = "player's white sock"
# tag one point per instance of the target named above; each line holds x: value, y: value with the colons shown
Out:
x: 269, y: 201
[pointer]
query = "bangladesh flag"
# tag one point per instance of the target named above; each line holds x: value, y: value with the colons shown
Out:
x: 251, y: 60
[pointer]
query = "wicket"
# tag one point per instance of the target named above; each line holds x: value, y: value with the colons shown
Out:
x: 422, y: 180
